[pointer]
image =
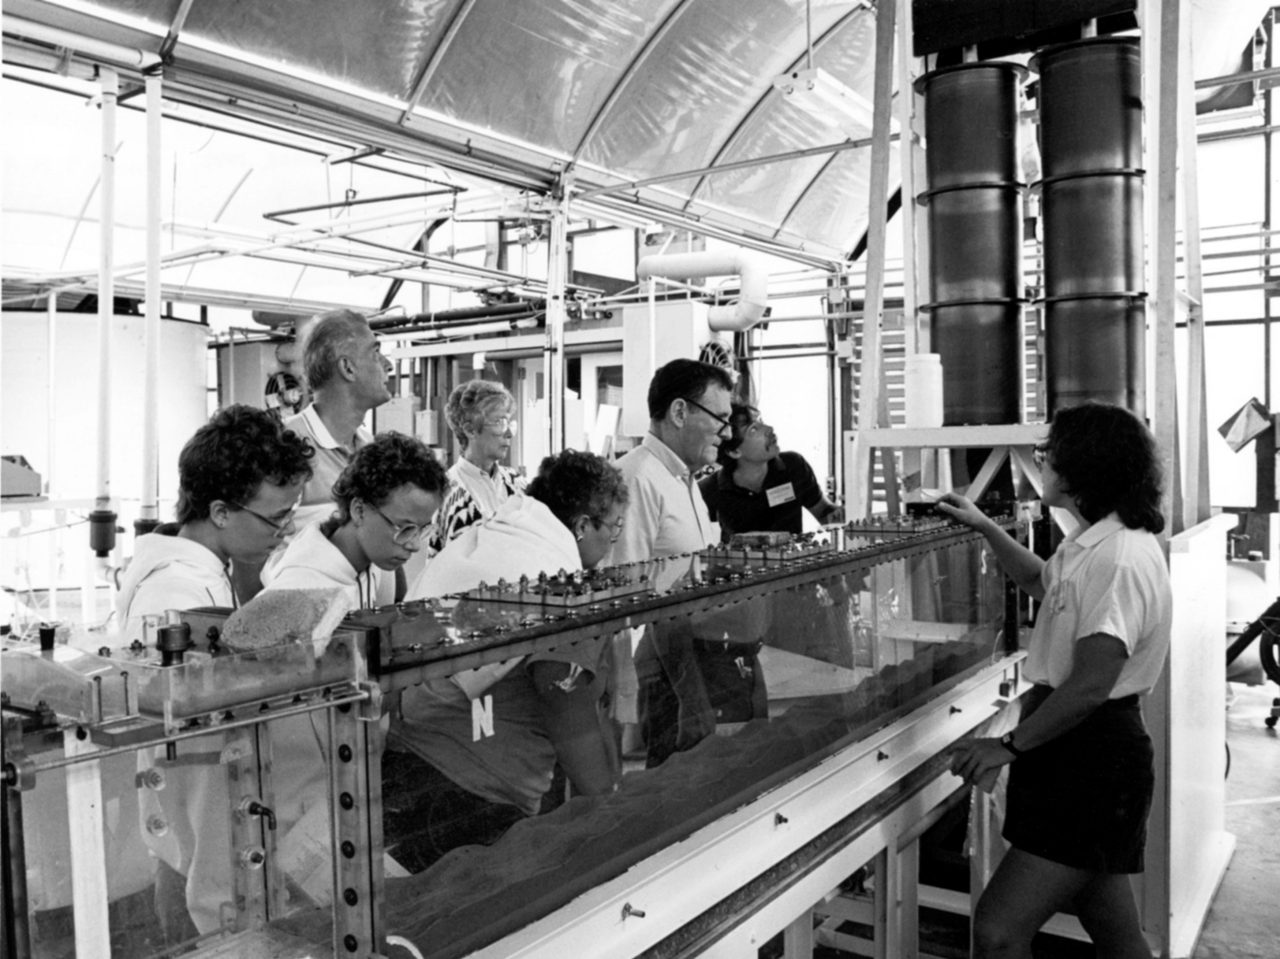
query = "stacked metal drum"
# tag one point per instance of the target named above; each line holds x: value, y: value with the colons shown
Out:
x: 974, y: 204
x: 1090, y: 101
x: 1090, y: 106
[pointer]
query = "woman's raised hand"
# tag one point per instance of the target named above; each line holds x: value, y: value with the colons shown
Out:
x: 961, y: 510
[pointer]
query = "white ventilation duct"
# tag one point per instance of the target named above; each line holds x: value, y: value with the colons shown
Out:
x: 754, y: 296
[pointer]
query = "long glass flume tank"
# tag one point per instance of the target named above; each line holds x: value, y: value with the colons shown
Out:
x: 854, y: 630
x: 819, y: 644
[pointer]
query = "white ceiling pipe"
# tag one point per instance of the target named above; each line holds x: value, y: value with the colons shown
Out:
x: 97, y: 49
x: 754, y: 294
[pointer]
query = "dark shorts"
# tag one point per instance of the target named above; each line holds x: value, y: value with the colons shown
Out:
x: 1082, y: 799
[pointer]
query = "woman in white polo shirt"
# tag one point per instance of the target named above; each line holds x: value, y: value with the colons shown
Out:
x: 1082, y: 774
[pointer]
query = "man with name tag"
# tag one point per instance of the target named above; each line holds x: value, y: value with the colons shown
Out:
x: 758, y: 488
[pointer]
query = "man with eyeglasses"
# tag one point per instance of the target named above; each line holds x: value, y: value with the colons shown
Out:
x: 689, y: 407
x: 239, y: 480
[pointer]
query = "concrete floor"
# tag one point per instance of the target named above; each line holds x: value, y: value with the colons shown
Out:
x: 1244, y: 921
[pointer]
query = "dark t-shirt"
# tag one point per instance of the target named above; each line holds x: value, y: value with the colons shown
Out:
x: 789, y: 486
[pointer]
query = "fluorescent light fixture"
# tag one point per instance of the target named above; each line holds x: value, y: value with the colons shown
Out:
x: 825, y: 98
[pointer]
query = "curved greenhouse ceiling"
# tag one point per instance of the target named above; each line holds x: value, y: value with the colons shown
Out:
x: 425, y: 110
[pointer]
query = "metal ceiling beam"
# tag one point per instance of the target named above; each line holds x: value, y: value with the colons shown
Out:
x: 726, y: 167
x: 639, y: 212
x: 175, y: 29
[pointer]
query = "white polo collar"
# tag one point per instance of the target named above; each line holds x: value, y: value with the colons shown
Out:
x: 667, y: 457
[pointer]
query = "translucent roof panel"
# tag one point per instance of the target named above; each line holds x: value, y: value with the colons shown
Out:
x: 637, y: 97
x: 275, y: 222
x: 375, y: 46
x: 608, y: 91
x: 539, y: 72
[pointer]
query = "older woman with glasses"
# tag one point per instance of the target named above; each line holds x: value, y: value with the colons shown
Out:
x: 444, y: 786
x: 386, y: 499
x: 482, y: 415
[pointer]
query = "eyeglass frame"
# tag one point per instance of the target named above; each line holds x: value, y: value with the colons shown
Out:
x: 281, y: 529
x: 725, y: 422
x: 398, y: 529
x: 1040, y: 454
x: 616, y: 526
x: 509, y: 423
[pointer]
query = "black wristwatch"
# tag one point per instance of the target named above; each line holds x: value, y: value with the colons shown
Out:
x: 1007, y: 742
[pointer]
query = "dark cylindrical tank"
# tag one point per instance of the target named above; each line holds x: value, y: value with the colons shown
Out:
x: 981, y: 348
x: 974, y: 209
x: 972, y: 109
x: 1093, y: 234
x: 1095, y: 349
x: 1090, y: 98
x: 975, y: 242
x: 1090, y: 106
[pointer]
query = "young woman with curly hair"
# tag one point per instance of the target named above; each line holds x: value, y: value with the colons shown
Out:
x: 385, y: 501
x: 239, y: 481
x: 1081, y: 774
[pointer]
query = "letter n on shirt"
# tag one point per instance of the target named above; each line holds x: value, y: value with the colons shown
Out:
x: 481, y: 718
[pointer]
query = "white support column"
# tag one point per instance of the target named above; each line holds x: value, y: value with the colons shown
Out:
x: 908, y: 898
x: 51, y: 392
x: 88, y: 852
x: 553, y: 351
x: 106, y: 280
x: 1196, y: 501
x: 910, y: 154
x: 872, y: 405
x: 1161, y: 62
x: 797, y: 938
x: 150, y: 509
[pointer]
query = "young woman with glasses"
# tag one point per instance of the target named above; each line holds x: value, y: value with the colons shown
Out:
x: 386, y: 499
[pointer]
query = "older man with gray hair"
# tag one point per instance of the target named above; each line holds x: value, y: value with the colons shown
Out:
x: 347, y: 374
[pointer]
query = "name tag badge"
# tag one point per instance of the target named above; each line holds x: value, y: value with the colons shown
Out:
x: 780, y: 494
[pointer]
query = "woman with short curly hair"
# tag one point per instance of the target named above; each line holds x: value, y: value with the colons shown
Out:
x: 443, y: 786
x: 386, y: 499
x: 482, y: 415
x: 1081, y: 771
